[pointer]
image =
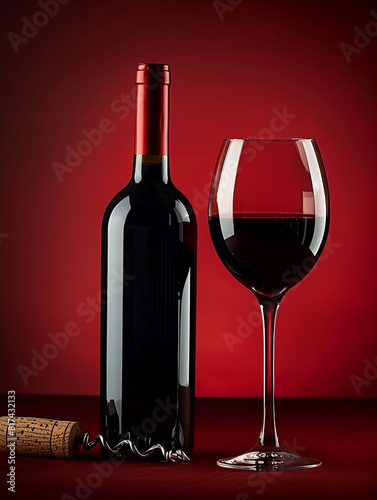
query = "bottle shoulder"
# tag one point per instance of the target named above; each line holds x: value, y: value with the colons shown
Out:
x: 151, y: 202
x: 119, y: 204
x: 182, y: 205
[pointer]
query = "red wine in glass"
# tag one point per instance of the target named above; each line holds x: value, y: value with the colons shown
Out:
x: 269, y: 253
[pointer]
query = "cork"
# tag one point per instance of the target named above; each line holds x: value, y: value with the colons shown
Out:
x: 41, y: 437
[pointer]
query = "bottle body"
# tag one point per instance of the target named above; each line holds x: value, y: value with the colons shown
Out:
x: 148, y: 312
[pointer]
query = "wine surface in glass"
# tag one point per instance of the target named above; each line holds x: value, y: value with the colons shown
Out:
x: 268, y: 253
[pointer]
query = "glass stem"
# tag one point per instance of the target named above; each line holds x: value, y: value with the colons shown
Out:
x: 268, y: 435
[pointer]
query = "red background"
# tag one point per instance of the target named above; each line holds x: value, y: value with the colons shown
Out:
x: 228, y: 76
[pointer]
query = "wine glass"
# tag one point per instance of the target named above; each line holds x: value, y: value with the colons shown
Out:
x: 269, y: 220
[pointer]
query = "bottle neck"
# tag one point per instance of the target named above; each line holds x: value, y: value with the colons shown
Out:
x: 151, y: 161
x: 151, y: 169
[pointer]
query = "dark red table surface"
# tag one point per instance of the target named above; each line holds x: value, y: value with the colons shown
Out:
x: 342, y: 433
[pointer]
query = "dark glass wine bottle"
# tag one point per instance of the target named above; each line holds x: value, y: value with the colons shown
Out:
x: 149, y: 290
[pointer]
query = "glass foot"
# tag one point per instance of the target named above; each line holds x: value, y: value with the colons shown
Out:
x: 269, y: 459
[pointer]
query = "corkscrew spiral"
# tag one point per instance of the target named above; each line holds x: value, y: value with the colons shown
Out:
x: 173, y: 456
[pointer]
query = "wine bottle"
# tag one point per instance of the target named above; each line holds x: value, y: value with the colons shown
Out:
x: 148, y: 277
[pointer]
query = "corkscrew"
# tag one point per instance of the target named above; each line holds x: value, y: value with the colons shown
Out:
x: 63, y: 439
x: 170, y: 456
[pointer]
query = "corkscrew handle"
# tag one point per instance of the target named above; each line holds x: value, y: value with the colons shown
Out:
x: 62, y: 439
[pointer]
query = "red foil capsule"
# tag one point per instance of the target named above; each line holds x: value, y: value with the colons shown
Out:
x: 152, y: 116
